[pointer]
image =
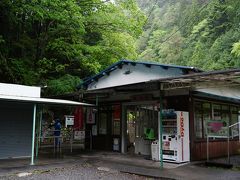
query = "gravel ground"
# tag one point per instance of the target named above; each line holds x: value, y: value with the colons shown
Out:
x: 84, y: 171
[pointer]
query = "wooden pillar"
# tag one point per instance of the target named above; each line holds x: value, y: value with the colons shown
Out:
x: 191, y: 125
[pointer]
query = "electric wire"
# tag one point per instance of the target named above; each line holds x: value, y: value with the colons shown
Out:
x: 150, y: 13
x: 186, y: 23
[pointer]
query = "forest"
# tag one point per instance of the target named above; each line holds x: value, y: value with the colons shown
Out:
x: 58, y: 43
x: 200, y: 33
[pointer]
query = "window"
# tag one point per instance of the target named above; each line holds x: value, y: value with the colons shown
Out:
x: 103, y: 123
x: 198, y: 120
x: 234, y: 131
x: 214, y: 117
x: 225, y: 114
x: 234, y: 114
x: 216, y: 112
x: 206, y: 115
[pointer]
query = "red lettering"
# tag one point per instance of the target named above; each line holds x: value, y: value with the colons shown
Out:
x: 181, y: 125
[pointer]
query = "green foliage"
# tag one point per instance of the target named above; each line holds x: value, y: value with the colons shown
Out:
x: 49, y: 41
x: 236, y: 49
x: 64, y: 84
x: 197, y: 33
x: 57, y: 43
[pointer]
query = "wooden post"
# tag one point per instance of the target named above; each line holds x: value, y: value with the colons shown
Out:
x: 160, y: 129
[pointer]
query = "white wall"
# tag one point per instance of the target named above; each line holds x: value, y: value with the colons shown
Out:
x: 138, y: 73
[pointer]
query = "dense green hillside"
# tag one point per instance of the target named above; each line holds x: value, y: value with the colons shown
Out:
x: 201, y: 33
x: 59, y: 42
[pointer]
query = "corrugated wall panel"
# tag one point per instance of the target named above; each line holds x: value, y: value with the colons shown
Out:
x: 15, y: 129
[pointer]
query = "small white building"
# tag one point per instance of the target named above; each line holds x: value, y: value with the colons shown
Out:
x: 18, y: 106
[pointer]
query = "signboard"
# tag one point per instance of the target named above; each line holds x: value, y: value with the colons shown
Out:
x: 69, y: 120
x: 217, y: 128
x: 79, y: 135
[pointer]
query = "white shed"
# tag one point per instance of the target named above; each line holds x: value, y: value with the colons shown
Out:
x: 18, y: 114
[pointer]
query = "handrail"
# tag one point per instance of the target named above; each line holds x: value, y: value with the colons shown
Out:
x: 234, y: 124
x: 231, y: 126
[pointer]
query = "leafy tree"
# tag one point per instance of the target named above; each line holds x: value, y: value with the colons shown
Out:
x: 236, y: 49
x: 55, y: 41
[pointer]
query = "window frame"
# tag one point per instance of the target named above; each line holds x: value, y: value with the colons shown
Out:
x: 212, y: 102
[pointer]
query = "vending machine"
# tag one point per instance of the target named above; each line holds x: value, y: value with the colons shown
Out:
x: 175, y: 127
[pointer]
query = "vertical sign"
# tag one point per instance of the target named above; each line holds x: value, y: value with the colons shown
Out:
x: 182, y: 132
x: 181, y: 125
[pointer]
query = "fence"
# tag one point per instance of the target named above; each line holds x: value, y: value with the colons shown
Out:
x: 227, y: 132
x: 66, y: 141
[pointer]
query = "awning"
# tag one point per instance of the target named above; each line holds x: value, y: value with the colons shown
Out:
x: 37, y: 100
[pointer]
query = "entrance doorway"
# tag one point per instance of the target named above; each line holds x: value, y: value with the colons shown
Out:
x: 141, y: 128
x: 108, y: 129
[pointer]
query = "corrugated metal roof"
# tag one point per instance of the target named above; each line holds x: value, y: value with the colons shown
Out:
x: 122, y: 62
x: 43, y: 100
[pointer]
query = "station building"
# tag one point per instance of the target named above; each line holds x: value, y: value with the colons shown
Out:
x: 139, y: 103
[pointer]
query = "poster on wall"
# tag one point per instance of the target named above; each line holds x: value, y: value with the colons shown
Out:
x: 79, y: 135
x: 90, y: 116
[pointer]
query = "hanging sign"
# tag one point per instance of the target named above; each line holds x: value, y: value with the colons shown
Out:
x: 90, y: 116
x: 69, y: 120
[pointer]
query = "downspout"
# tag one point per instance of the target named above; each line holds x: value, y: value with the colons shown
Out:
x: 33, y: 133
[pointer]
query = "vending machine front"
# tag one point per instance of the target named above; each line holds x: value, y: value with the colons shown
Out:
x: 175, y: 136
